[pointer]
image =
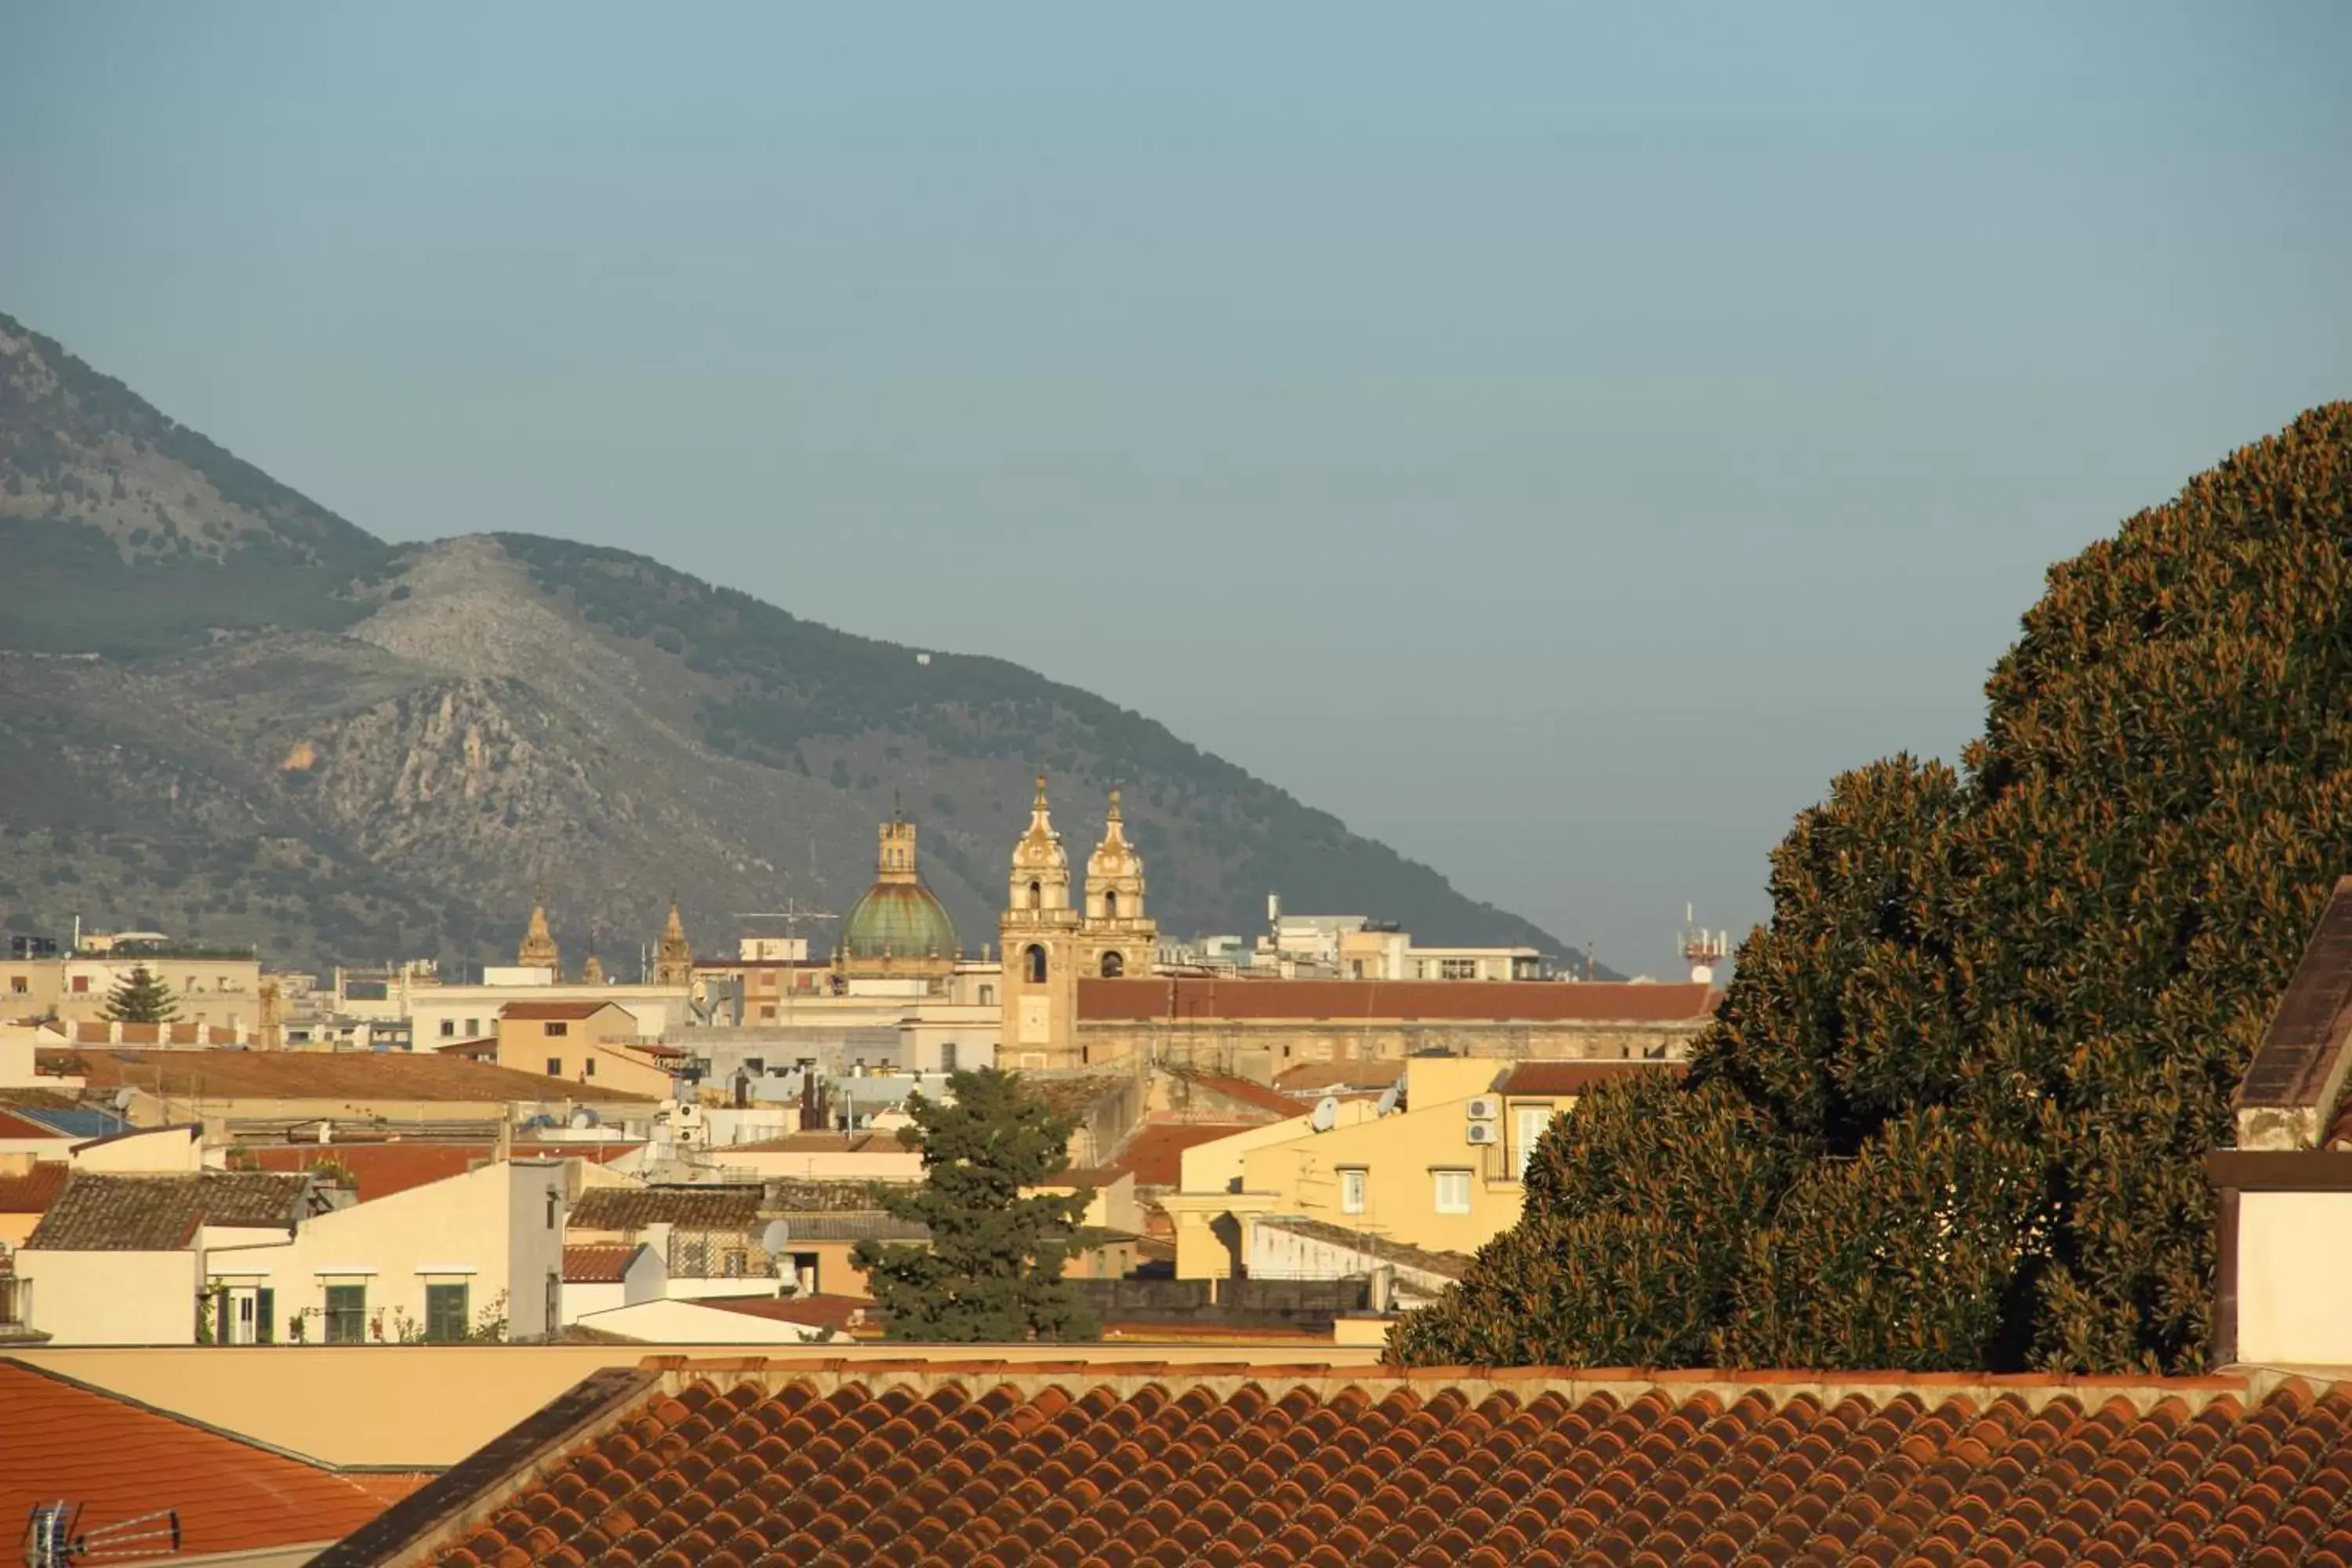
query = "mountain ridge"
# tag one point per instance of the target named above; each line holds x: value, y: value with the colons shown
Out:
x: 273, y: 726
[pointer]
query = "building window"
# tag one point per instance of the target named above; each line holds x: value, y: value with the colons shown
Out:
x: 473, y: 1028
x: 265, y: 1316
x: 1351, y: 1191
x: 445, y: 1313
x: 1452, y: 1191
x: 1110, y: 904
x: 1528, y: 1124
x: 554, y: 1306
x: 550, y: 1208
x: 448, y: 1028
x: 1113, y: 966
x: 588, y: 1068
x: 347, y: 1314
x: 80, y: 985
x: 988, y: 995
x: 1036, y: 958
x: 19, y: 985
x: 555, y: 1066
x: 554, y: 1029
x: 769, y: 1011
x: 1457, y: 969
x: 948, y: 1057
x: 1037, y: 896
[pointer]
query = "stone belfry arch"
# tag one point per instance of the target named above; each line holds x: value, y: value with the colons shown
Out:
x: 1116, y: 938
x: 1039, y: 935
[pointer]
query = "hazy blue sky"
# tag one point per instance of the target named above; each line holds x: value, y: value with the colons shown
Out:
x: 1555, y: 438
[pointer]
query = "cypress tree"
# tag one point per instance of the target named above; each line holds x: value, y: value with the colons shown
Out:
x: 991, y: 1272
x: 1953, y: 1111
x: 140, y: 997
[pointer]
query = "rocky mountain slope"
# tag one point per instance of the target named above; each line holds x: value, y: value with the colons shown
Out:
x: 227, y: 713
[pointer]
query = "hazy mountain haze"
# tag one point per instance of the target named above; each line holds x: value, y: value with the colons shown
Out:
x: 1554, y: 439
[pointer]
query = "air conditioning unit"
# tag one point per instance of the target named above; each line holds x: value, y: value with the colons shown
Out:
x: 1483, y: 1132
x: 1485, y: 1108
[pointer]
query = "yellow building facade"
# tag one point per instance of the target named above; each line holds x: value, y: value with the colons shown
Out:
x: 1444, y: 1172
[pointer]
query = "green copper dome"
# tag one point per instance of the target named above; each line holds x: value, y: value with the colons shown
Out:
x: 901, y: 920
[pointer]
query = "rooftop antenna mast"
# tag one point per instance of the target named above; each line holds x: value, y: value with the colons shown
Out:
x: 51, y: 1540
x: 1703, y: 949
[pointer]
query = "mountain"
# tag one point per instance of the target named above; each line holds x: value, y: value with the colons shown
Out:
x: 227, y: 713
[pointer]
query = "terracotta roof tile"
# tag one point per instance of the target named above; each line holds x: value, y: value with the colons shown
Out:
x: 1312, y: 1079
x: 162, y: 1213
x: 904, y: 1462
x: 316, y: 1074
x: 36, y: 1190
x: 553, y: 1011
x: 383, y: 1169
x: 1241, y: 1091
x: 1576, y: 1077
x: 117, y: 1458
x: 598, y: 1263
x: 15, y: 1126
x: 1156, y: 1153
x: 1144, y: 1000
x: 696, y: 1208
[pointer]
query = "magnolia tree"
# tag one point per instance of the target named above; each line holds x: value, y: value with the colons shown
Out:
x: 1953, y: 1111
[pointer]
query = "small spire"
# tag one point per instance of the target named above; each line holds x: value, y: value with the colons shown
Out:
x: 1041, y: 789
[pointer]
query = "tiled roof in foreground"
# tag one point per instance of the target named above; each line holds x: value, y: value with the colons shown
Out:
x: 119, y: 1458
x: 1107, y: 1464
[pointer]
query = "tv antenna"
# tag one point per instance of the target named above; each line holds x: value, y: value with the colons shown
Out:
x: 791, y: 914
x: 52, y: 1540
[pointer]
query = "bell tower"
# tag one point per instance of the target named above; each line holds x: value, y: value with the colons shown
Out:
x: 1116, y: 939
x: 1039, y: 929
x: 674, y: 959
x: 538, y: 950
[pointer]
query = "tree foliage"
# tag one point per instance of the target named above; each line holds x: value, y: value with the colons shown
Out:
x: 139, y: 998
x: 991, y: 1272
x: 1952, y: 1112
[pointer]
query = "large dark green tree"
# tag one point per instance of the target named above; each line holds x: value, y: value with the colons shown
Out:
x: 1953, y: 1111
x: 140, y: 997
x: 991, y: 1271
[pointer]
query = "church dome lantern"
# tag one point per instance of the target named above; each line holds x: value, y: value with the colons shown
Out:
x: 899, y: 930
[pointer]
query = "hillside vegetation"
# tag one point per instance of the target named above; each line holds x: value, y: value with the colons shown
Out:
x: 227, y: 710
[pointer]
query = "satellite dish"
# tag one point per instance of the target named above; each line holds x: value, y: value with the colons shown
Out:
x: 1327, y: 1114
x: 773, y: 1239
x: 1389, y: 1098
x: 122, y: 1097
x: 583, y: 1119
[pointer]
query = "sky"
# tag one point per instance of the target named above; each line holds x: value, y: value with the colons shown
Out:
x: 1556, y: 438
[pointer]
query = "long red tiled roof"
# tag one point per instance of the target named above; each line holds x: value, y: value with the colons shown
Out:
x: 381, y: 1170
x: 1176, y: 999
x: 339, y: 1076
x: 1156, y: 1153
x: 1242, y: 1092
x: 727, y: 1464
x: 116, y: 1459
x: 13, y: 1126
x: 1575, y: 1078
x: 600, y: 1263
x: 36, y: 1190
x: 560, y: 1011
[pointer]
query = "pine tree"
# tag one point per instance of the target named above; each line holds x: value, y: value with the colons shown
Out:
x: 1953, y: 1111
x: 139, y: 998
x: 991, y: 1271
